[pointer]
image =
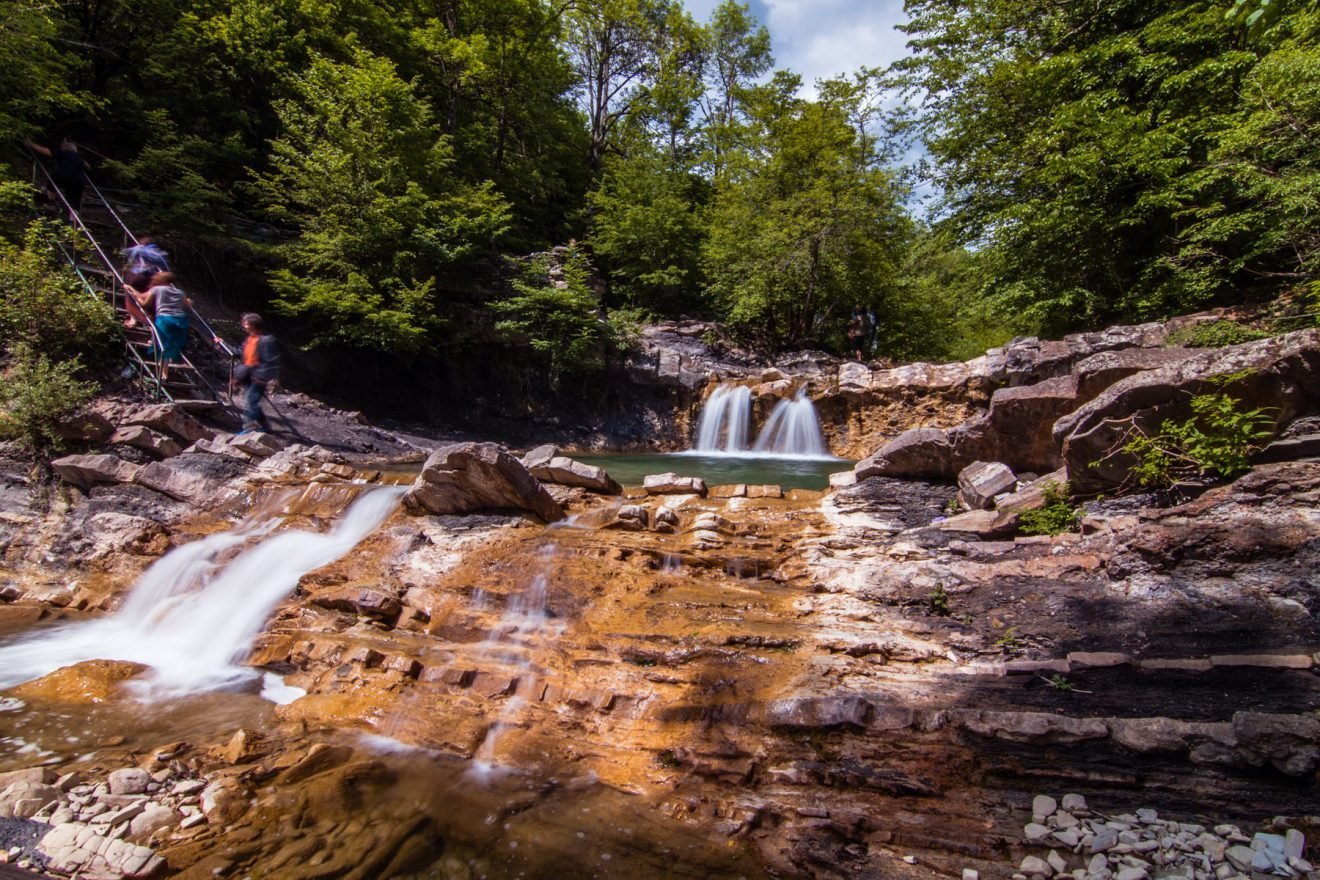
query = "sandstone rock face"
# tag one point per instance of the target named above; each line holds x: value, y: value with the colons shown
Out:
x: 469, y: 477
x: 85, y: 471
x: 1283, y: 376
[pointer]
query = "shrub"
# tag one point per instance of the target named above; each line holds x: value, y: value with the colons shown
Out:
x: 1213, y: 334
x: 1216, y: 442
x: 1055, y: 517
x: 37, y: 394
x: 45, y: 307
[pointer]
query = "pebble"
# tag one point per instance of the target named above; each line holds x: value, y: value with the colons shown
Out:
x: 1042, y: 807
x: 1142, y: 846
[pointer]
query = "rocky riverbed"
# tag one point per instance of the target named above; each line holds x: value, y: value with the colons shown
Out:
x: 527, y: 670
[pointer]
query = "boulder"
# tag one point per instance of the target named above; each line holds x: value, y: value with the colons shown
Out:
x: 142, y: 437
x: 468, y: 477
x: 540, y: 456
x: 1280, y: 375
x: 85, y: 471
x: 564, y: 471
x: 195, y: 478
x: 168, y: 418
x: 981, y: 481
x: 85, y: 427
x: 673, y: 484
x: 916, y: 453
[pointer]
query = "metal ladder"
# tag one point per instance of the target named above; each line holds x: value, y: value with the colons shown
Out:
x: 95, y: 268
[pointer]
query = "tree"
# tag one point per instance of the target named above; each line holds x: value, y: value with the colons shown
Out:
x: 647, y: 226
x: 737, y: 55
x: 553, y: 309
x: 808, y: 226
x: 362, y: 172
x: 501, y: 81
x: 1082, y: 144
x: 33, y: 68
x: 616, y: 47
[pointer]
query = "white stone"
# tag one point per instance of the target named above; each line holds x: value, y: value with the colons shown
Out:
x: 1035, y: 832
x: 1043, y: 806
x: 130, y: 780
x: 1132, y: 874
x: 1074, y: 803
x: 1068, y: 837
x: 1056, y: 862
x: 1035, y: 865
x: 1240, y: 857
x: 970, y: 874
x: 1105, y: 840
x: 1294, y: 843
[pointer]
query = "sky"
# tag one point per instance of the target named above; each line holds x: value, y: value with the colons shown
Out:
x: 822, y: 38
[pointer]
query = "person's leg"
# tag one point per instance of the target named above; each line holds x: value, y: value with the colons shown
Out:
x: 252, y: 414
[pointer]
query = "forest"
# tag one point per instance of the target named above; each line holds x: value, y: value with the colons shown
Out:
x: 410, y: 178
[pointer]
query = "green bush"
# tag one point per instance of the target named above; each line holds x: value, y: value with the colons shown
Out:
x: 1055, y: 517
x: 37, y: 394
x: 554, y: 309
x: 1213, y: 334
x: 44, y: 306
x: 1216, y: 442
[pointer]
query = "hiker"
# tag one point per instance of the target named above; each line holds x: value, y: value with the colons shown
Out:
x: 857, y: 331
x: 171, y: 307
x: 142, y: 262
x: 70, y: 174
x: 259, y: 371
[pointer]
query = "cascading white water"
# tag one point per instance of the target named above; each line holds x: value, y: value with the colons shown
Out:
x: 187, y: 620
x: 793, y: 429
x: 523, y: 628
x: 725, y: 420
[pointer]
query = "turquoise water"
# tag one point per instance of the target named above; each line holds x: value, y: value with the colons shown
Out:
x: 717, y: 470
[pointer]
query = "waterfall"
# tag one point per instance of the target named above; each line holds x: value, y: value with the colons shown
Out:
x: 724, y: 420
x: 189, y: 619
x: 793, y: 429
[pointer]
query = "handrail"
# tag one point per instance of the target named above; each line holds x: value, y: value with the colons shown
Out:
x: 119, y: 289
x: 113, y: 213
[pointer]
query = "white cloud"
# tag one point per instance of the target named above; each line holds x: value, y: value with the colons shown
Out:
x: 824, y: 38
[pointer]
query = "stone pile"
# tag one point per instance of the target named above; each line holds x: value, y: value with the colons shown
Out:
x: 101, y: 829
x: 1085, y: 845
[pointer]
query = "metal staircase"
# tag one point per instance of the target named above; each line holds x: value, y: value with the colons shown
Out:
x: 205, y: 366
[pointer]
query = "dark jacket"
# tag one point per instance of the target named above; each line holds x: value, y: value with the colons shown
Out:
x: 268, y: 363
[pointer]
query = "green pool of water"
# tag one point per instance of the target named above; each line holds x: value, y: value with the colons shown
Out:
x: 718, y: 470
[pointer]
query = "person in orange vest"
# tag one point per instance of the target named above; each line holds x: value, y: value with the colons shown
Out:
x: 258, y: 372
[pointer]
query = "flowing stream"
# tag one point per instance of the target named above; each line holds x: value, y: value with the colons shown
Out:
x: 192, y: 617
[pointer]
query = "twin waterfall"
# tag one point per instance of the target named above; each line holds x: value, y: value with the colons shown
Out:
x: 791, y: 431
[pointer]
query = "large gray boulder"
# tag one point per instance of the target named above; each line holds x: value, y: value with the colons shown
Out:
x: 1281, y: 375
x: 468, y: 477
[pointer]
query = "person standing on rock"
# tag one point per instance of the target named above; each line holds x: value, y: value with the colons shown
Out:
x: 258, y: 372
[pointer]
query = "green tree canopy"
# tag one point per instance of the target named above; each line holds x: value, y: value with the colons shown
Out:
x: 362, y: 172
